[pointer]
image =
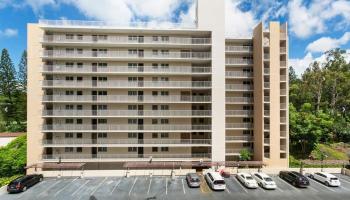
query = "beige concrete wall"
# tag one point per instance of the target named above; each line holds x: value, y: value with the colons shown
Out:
x: 34, y: 108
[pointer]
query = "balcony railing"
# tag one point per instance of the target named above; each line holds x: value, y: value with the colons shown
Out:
x: 283, y: 78
x: 266, y: 126
x: 239, y: 125
x: 100, y: 156
x: 239, y: 112
x: 127, y: 98
x: 283, y: 119
x: 267, y: 85
x: 266, y: 99
x: 118, y: 39
x: 127, y: 113
x: 246, y: 49
x: 266, y: 56
x: 236, y: 151
x: 283, y: 50
x: 283, y: 64
x: 110, y: 141
x: 238, y: 87
x: 283, y: 147
x: 126, y: 84
x: 125, y: 54
x: 238, y: 74
x: 239, y: 100
x: 283, y: 133
x: 238, y: 61
x: 266, y: 71
x: 243, y: 138
x: 267, y: 141
x: 283, y: 106
x: 125, y: 69
x: 283, y: 92
x: 126, y: 127
x: 266, y: 112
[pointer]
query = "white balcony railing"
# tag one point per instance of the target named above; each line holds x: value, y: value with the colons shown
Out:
x: 239, y: 100
x: 101, y: 156
x: 267, y: 85
x: 266, y: 99
x: 238, y: 87
x: 267, y: 141
x: 267, y: 112
x: 283, y: 64
x: 266, y: 71
x: 239, y: 112
x: 125, y: 54
x: 126, y: 113
x: 110, y: 141
x: 283, y: 119
x: 283, y: 147
x: 238, y: 74
x: 283, y: 92
x: 283, y: 133
x: 125, y: 69
x: 246, y: 49
x: 236, y: 151
x: 238, y: 61
x: 239, y: 125
x: 266, y: 56
x: 126, y: 84
x: 127, y: 98
x: 266, y: 126
x: 283, y: 50
x: 283, y: 78
x: 241, y: 138
x: 118, y: 39
x: 125, y: 127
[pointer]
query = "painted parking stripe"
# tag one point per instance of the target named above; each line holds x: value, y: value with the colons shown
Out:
x: 64, y: 187
x: 279, y: 189
x: 77, y: 190
x: 240, y: 185
x: 116, y: 185
x: 23, y: 193
x: 204, y: 186
x: 287, y: 184
x: 344, y: 188
x: 314, y: 181
x: 49, y: 187
x: 166, y: 186
x: 183, y: 186
x: 98, y: 186
x: 343, y: 179
x: 132, y: 186
x: 149, y: 185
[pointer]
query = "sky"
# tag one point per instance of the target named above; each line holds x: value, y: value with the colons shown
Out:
x: 315, y: 26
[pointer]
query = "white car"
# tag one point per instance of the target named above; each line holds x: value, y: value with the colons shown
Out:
x: 264, y: 180
x: 215, y: 181
x: 326, y: 178
x: 247, y: 180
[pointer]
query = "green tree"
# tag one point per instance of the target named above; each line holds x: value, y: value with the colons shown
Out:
x: 245, y: 155
x: 22, y: 71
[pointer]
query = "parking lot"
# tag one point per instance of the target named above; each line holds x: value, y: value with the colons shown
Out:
x: 141, y: 187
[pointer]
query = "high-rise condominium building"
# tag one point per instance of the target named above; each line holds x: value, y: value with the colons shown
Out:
x: 103, y: 94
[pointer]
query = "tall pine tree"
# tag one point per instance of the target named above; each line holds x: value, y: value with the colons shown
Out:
x: 22, y: 71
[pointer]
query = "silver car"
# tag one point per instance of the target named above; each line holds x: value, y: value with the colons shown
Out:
x: 193, y: 180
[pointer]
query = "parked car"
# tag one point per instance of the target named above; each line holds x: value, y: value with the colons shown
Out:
x: 326, y: 178
x: 22, y: 183
x: 295, y: 178
x: 247, y: 180
x: 215, y: 181
x: 193, y: 180
x: 264, y: 180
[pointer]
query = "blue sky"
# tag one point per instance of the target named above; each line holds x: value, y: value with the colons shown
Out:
x: 314, y: 25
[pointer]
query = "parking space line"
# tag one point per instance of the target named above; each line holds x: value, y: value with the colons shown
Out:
x: 59, y: 191
x: 116, y: 185
x: 80, y: 187
x: 279, y: 189
x: 183, y: 186
x: 50, y: 187
x: 132, y: 186
x: 343, y: 179
x: 321, y: 184
x: 19, y: 197
x: 287, y: 184
x: 99, y: 185
x: 149, y: 185
x: 228, y: 191
x: 239, y: 183
x: 344, y: 188
x: 262, y: 189
x: 166, y: 186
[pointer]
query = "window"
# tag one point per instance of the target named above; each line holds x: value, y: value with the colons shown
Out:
x: 154, y: 52
x: 132, y: 149
x: 80, y: 37
x: 102, y: 135
x: 154, y: 66
x: 246, y: 144
x: 69, y: 92
x: 80, y: 51
x: 132, y: 65
x: 102, y: 37
x: 154, y: 149
x: 102, y: 92
x: 154, y: 93
x: 79, y: 78
x: 164, y: 135
x: 102, y: 79
x: 165, y: 52
x: 69, y: 36
x: 164, y: 93
x: 246, y: 132
x: 154, y: 121
x: 102, y: 121
x: 164, y: 121
x: 132, y: 93
x: 132, y: 38
x: 69, y: 65
x: 132, y: 135
x: 102, y: 149
x: 154, y: 135
x: 132, y: 51
x: 164, y: 78
x: 80, y: 65
x: 247, y: 120
x: 68, y: 135
x: 132, y: 107
x: 102, y: 65
x: 132, y: 121
x: 79, y: 121
x: 69, y: 107
x: 69, y: 78
x: 164, y: 66
x: 79, y: 135
x: 69, y: 121
x: 69, y: 50
x: 155, y: 38
x: 164, y: 107
x: 154, y: 79
x: 165, y: 38
x: 154, y: 107
x: 79, y: 149
x: 79, y: 93
x: 68, y: 149
x: 164, y: 149
x: 132, y: 79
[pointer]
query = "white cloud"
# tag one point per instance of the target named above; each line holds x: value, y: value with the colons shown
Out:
x: 326, y: 43
x: 9, y: 32
x: 238, y: 23
x: 307, y: 20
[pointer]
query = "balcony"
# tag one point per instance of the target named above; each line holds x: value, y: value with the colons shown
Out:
x: 283, y: 106
x: 238, y: 61
x: 119, y: 54
x: 283, y: 78
x: 125, y: 84
x: 238, y: 49
x: 283, y: 147
x: 267, y: 85
x: 239, y: 113
x: 283, y: 92
x: 127, y: 113
x: 238, y: 126
x: 239, y: 87
x: 266, y: 57
x: 283, y: 134
x: 266, y: 155
x: 125, y: 142
x: 266, y: 99
x: 239, y: 139
x: 125, y: 127
x: 239, y: 100
x: 126, y: 99
x: 127, y: 156
x: 266, y: 71
x: 235, y: 152
x: 283, y: 64
x: 283, y: 50
x: 63, y: 69
x: 238, y: 74
x: 283, y: 120
x: 266, y: 126
x: 266, y: 112
x: 267, y: 141
x: 119, y: 39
